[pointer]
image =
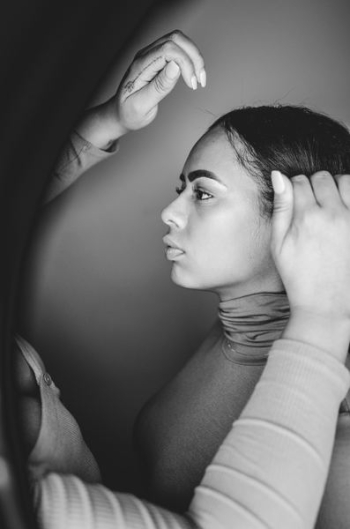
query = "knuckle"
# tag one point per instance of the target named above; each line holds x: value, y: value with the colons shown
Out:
x: 167, y: 47
x: 159, y: 84
x: 138, y: 54
x: 311, y: 216
x: 175, y: 35
x: 136, y: 106
x: 133, y: 68
x: 332, y: 217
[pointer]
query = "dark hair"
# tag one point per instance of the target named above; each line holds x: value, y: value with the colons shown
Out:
x: 292, y: 139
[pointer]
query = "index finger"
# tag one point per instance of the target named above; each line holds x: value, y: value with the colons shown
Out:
x: 150, y: 63
x: 304, y: 198
x: 193, y: 51
x: 188, y: 46
x: 325, y: 189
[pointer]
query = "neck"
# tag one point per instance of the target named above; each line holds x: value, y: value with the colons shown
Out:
x: 252, y: 323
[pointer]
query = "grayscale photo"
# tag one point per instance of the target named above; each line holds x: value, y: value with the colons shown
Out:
x: 176, y: 271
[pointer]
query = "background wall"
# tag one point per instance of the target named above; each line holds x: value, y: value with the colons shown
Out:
x: 97, y: 300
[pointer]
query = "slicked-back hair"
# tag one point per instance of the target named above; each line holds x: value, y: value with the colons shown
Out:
x: 291, y: 139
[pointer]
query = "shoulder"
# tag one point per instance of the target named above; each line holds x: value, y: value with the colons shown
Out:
x: 214, y: 337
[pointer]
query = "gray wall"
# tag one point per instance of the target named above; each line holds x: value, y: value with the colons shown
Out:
x: 97, y: 302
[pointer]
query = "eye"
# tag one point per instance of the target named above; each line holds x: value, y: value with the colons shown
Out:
x: 202, y: 195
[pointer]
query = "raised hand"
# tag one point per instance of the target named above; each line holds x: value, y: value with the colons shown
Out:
x: 152, y: 76
x: 311, y: 248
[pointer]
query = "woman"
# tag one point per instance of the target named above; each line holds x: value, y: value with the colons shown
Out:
x: 64, y: 474
x: 219, y: 233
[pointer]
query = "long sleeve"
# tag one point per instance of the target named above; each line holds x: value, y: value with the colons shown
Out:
x: 77, y: 157
x: 269, y: 472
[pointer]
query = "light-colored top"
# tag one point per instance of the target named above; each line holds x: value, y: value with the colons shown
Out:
x: 269, y: 472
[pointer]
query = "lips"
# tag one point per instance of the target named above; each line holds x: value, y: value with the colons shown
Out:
x: 172, y: 250
x: 173, y: 253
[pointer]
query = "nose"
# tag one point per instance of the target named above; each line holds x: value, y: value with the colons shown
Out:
x: 174, y: 215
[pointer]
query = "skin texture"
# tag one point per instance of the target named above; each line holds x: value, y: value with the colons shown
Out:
x: 217, y: 224
x: 152, y: 75
x: 310, y: 216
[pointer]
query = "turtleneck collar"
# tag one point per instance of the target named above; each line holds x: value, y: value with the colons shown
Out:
x: 251, y: 324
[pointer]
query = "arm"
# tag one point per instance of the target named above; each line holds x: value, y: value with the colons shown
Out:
x: 78, y: 155
x: 254, y: 481
x: 181, y: 428
x: 273, y: 465
x: 151, y: 76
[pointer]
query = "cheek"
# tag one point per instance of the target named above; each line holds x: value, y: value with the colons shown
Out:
x: 258, y: 247
x: 226, y: 241
x: 241, y: 242
x: 230, y: 251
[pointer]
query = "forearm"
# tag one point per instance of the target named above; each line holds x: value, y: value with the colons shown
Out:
x: 279, y: 450
x: 95, y: 138
x: 271, y: 468
x: 78, y: 156
x: 330, y: 332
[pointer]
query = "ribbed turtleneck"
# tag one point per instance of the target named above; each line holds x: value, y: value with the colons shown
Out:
x: 251, y: 324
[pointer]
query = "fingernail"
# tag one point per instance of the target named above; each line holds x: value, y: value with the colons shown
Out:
x: 277, y: 182
x: 298, y: 178
x: 203, y: 77
x: 194, y: 82
x: 172, y: 70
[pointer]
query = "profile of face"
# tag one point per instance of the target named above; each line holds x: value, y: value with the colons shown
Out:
x: 217, y: 238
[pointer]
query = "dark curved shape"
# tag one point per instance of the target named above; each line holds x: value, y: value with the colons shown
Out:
x: 53, y: 55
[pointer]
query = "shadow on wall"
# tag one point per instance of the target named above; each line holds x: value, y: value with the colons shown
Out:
x: 97, y: 302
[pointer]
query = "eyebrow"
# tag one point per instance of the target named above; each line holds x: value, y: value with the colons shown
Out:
x: 198, y: 174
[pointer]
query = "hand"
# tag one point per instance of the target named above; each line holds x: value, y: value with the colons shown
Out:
x: 153, y: 75
x: 311, y: 248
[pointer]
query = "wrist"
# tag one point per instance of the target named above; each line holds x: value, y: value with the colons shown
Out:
x: 100, y: 125
x: 328, y: 331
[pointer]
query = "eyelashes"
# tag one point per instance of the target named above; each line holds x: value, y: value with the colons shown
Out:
x: 199, y: 194
x: 202, y: 195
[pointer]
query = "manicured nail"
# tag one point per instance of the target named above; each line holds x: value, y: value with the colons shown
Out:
x: 172, y: 70
x: 277, y: 182
x: 203, y: 77
x: 194, y: 82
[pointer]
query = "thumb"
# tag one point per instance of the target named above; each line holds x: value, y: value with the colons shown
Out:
x: 282, y: 207
x: 161, y: 85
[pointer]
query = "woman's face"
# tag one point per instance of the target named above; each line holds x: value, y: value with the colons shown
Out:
x: 217, y: 239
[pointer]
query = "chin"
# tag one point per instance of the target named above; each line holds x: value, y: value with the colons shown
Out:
x: 181, y: 279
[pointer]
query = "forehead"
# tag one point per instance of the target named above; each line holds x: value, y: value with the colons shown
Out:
x: 211, y: 147
x: 213, y: 152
